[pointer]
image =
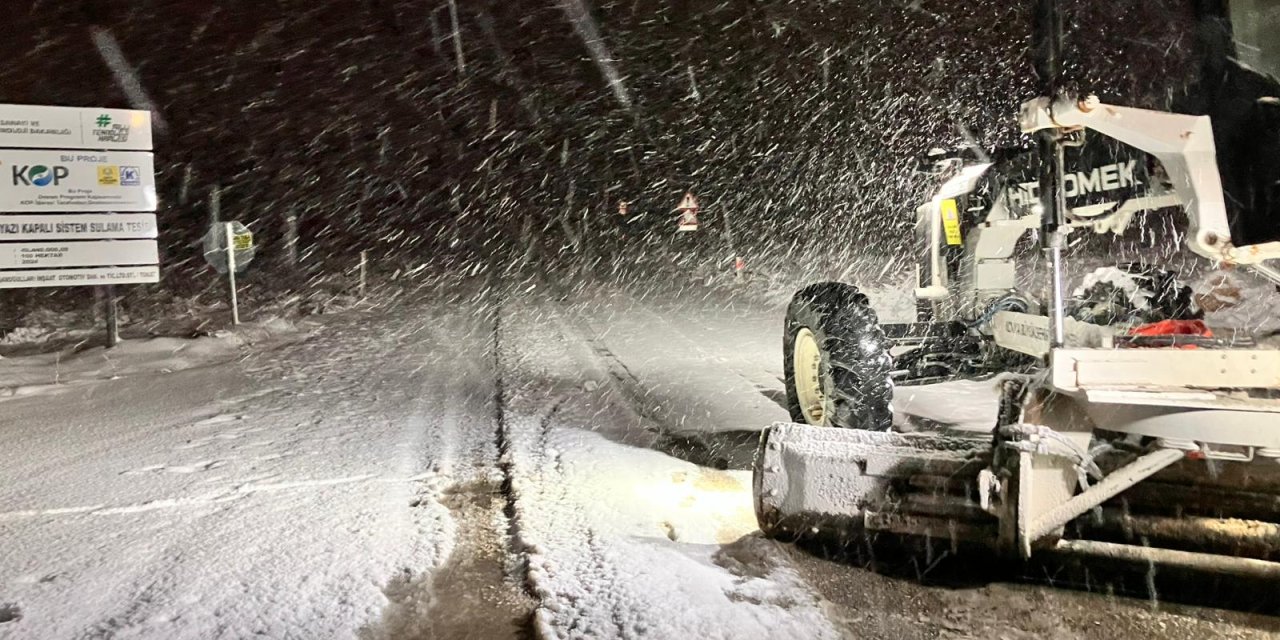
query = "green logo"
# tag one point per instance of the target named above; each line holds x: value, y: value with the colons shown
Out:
x: 104, y: 120
x: 38, y: 175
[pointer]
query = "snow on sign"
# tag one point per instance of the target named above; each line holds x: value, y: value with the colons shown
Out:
x: 64, y: 181
x: 45, y: 127
x: 215, y: 246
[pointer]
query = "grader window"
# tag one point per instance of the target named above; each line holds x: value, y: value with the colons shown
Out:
x: 1256, y: 24
x: 1239, y: 91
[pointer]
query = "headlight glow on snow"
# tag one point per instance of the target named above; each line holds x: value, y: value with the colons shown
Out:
x: 705, y: 507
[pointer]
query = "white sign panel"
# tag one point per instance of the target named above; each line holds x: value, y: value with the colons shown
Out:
x: 87, y: 226
x: 42, y: 127
x: 63, y: 181
x: 40, y: 255
x: 76, y: 277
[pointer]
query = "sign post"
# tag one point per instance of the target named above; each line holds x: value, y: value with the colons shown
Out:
x: 113, y: 315
x: 364, y: 261
x: 228, y: 248
x: 230, y: 230
x: 83, y: 180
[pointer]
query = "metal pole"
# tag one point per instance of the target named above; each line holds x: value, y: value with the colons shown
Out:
x: 291, y: 239
x: 1205, y: 562
x: 1054, y: 241
x: 231, y: 272
x: 1108, y: 488
x: 215, y: 205
x: 1048, y: 63
x: 1046, y: 45
x: 457, y: 38
x: 364, y: 260
x: 113, y: 317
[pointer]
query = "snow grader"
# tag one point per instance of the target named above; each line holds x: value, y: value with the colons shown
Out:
x: 1126, y: 427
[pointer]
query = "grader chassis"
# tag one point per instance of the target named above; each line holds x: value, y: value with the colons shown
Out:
x: 1117, y: 435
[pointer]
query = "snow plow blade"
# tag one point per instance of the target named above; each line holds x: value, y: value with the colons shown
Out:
x: 843, y: 484
x: 825, y: 481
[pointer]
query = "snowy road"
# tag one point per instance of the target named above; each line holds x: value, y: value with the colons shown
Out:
x: 475, y: 464
x: 297, y: 493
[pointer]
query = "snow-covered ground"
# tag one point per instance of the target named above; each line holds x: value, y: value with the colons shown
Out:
x: 60, y: 370
x: 286, y: 494
x: 571, y: 462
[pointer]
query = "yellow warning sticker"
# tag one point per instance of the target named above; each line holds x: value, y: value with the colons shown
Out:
x: 951, y: 221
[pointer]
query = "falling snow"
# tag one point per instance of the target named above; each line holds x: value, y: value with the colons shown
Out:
x: 478, y: 396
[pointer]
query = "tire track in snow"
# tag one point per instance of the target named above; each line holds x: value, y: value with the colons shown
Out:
x: 470, y: 593
x: 517, y: 565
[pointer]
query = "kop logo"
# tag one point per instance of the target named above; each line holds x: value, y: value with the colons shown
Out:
x: 38, y: 175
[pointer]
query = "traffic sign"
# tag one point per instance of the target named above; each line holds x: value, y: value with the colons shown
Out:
x: 86, y: 181
x: 215, y: 246
x: 688, y: 209
x: 46, y: 127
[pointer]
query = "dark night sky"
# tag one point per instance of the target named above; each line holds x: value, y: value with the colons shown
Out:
x: 353, y: 115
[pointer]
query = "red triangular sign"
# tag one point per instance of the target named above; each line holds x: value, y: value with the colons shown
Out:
x: 688, y: 203
x: 688, y: 220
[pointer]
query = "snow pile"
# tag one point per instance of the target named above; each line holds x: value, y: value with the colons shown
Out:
x: 53, y: 372
x: 29, y: 334
x: 620, y: 539
x: 43, y: 325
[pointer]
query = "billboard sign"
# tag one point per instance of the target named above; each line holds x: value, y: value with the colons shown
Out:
x: 78, y: 277
x: 65, y: 181
x: 77, y: 197
x: 44, y: 127
x: 40, y: 255
x: 83, y: 226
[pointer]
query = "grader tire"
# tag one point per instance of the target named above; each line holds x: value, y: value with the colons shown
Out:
x: 836, y: 360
